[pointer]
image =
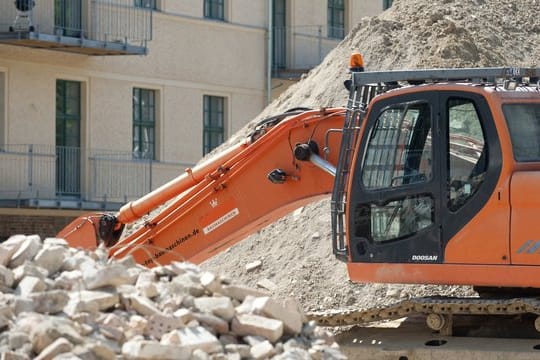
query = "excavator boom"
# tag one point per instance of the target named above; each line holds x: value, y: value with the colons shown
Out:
x: 288, y: 162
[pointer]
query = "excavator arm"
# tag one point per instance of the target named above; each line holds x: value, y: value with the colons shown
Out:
x: 286, y: 163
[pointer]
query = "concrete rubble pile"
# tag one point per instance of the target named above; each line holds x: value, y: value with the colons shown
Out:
x: 58, y: 302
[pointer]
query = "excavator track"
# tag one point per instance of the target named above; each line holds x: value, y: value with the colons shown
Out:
x: 437, y: 309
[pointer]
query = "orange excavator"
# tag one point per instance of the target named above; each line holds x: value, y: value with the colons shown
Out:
x: 432, y: 174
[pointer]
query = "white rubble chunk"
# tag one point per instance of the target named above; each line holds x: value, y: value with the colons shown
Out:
x: 292, y: 320
x: 100, y: 351
x: 7, y: 278
x: 262, y: 350
x: 51, y: 328
x: 242, y: 349
x: 247, y: 306
x: 17, y: 339
x: 9, y: 247
x: 248, y: 324
x: 253, y: 265
x: 110, y: 275
x: 211, y: 282
x: 189, y: 283
x: 53, y: 241
x: 325, y: 352
x: 198, y: 354
x: 30, y: 284
x: 29, y: 269
x: 141, y: 305
x: 295, y: 353
x: 51, y: 258
x: 184, y: 314
x: 150, y: 350
x: 26, y: 251
x: 69, y: 280
x: 239, y: 292
x: 13, y: 355
x: 59, y: 346
x: 267, y: 284
x: 220, y: 306
x: 49, y: 302
x: 216, y: 323
x: 90, y: 301
x: 159, y: 324
x: 191, y: 338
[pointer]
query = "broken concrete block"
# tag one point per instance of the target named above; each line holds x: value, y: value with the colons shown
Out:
x: 239, y: 292
x: 184, y: 314
x: 50, y: 329
x: 9, y: 247
x: 150, y: 350
x: 26, y: 251
x: 253, y: 265
x: 30, y: 284
x: 267, y: 284
x: 51, y: 258
x: 49, y: 302
x: 216, y: 323
x: 160, y: 324
x: 247, y: 324
x: 12, y: 355
x: 7, y: 278
x: 220, y: 306
x: 57, y: 347
x: 100, y: 351
x: 17, y: 339
x: 189, y: 283
x: 69, y: 280
x: 191, y: 338
x: 141, y: 305
x: 292, y: 320
x: 110, y: 275
x: 91, y: 301
x: 242, y: 349
x: 211, y: 282
x: 262, y: 350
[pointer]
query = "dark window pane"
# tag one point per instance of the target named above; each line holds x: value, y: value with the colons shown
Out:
x: 143, y: 123
x: 213, y: 122
x: 214, y: 9
x: 524, y: 124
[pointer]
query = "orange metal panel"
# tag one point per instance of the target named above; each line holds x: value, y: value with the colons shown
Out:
x: 525, y: 200
x: 448, y: 274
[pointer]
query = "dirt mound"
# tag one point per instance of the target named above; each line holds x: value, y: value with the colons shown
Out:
x: 295, y: 252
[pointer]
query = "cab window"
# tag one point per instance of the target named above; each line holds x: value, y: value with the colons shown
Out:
x: 524, y: 124
x: 399, y: 151
x: 467, y: 152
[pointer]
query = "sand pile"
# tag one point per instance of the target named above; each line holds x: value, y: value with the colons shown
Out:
x: 295, y: 253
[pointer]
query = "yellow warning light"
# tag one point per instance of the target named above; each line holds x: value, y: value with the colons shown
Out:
x: 356, y: 62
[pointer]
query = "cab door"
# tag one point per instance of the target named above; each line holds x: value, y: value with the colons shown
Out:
x: 394, y: 203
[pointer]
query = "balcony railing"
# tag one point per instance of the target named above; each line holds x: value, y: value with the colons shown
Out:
x: 300, y: 48
x: 68, y: 177
x: 94, y: 27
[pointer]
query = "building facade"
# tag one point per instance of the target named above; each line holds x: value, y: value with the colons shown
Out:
x: 102, y: 101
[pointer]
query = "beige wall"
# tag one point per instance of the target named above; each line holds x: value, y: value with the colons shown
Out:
x: 189, y: 57
x: 187, y: 60
x: 2, y: 106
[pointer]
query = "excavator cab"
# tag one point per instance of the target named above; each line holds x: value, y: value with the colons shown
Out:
x: 426, y: 192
